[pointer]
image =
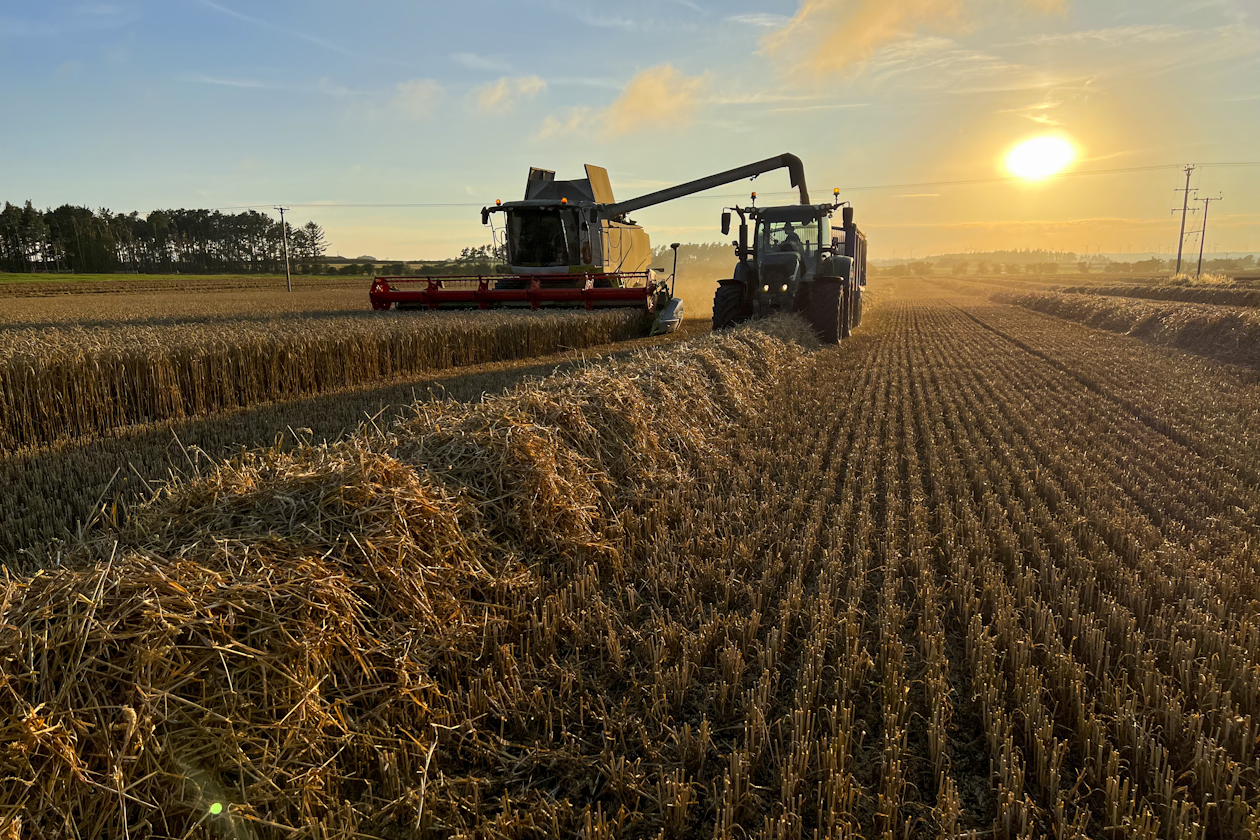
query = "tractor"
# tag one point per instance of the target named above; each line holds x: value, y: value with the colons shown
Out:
x: 796, y: 262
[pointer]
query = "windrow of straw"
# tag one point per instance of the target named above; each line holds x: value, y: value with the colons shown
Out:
x: 324, y: 643
x: 1223, y: 333
x: 53, y: 493
x: 1243, y: 295
x: 67, y: 383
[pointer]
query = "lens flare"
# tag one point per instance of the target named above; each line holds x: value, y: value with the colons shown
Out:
x: 1040, y: 158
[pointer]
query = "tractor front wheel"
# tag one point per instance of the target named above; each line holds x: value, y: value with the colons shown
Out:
x: 728, y: 305
x: 824, y: 312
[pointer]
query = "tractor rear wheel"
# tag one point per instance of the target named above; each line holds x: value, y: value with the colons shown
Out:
x: 824, y: 313
x: 728, y: 305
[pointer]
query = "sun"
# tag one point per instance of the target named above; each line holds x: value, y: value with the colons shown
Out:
x: 1041, y: 157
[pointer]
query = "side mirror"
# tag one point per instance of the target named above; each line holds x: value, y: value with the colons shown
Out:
x: 726, y: 223
x: 485, y: 216
x: 848, y: 216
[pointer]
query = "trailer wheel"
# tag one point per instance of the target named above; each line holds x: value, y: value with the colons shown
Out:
x: 728, y: 305
x: 824, y: 312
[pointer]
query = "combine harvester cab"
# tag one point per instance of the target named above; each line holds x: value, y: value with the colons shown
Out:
x: 796, y: 262
x: 570, y: 243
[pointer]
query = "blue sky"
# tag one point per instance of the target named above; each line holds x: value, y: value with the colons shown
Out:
x: 221, y: 103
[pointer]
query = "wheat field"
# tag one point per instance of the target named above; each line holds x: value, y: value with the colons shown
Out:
x: 60, y: 383
x: 964, y: 576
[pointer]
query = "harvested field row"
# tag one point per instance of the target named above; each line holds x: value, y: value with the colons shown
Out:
x: 52, y: 492
x: 1227, y: 334
x: 1247, y: 295
x: 932, y: 582
x: 69, y: 383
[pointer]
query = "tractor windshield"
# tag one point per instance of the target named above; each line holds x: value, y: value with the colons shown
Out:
x: 801, y: 237
x: 543, y: 236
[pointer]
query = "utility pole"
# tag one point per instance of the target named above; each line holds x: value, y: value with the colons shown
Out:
x: 1185, y: 207
x: 284, y: 235
x: 1207, y: 202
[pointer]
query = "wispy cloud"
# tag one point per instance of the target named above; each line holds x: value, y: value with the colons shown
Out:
x: 219, y: 81
x: 577, y: 120
x: 765, y: 19
x: 1113, y: 36
x: 82, y: 18
x: 473, y: 61
x: 1040, y: 113
x: 323, y: 87
x: 835, y: 106
x: 292, y: 33
x: 584, y: 13
x: 502, y: 95
x: 416, y: 98
x: 935, y: 63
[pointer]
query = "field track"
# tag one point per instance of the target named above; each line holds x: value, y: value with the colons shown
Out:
x: 978, y: 569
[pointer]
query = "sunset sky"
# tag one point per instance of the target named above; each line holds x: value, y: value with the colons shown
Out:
x: 226, y: 104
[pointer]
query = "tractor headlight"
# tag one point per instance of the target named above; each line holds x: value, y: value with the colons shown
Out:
x: 784, y: 289
x: 765, y: 288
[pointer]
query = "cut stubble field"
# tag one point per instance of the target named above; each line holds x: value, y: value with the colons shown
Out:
x: 978, y: 569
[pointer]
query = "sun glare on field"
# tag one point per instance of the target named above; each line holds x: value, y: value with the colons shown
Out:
x: 1040, y: 158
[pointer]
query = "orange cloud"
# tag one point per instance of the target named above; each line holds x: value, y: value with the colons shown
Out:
x: 836, y: 34
x: 657, y: 95
x: 506, y: 92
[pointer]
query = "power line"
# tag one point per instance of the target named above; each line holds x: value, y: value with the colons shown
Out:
x: 1185, y: 206
x: 1207, y: 202
x: 958, y: 183
x: 284, y: 235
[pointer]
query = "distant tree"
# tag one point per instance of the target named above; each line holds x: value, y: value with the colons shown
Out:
x: 961, y: 267
x: 310, y: 246
x: 983, y: 267
x: 1082, y: 267
x: 79, y: 239
x: 921, y: 269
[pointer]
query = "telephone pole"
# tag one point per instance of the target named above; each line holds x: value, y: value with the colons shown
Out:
x: 1207, y: 202
x: 284, y: 236
x: 1185, y: 207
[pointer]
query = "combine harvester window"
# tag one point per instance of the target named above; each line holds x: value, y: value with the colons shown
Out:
x: 543, y: 237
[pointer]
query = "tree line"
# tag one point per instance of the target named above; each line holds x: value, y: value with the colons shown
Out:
x: 84, y: 241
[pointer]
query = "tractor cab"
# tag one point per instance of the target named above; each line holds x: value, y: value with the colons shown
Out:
x: 789, y: 243
x: 788, y: 230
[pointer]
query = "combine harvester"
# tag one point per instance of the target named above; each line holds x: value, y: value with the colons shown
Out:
x: 570, y: 243
x: 797, y: 263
